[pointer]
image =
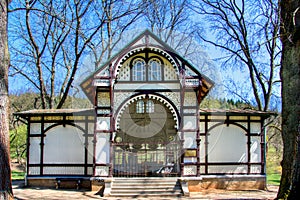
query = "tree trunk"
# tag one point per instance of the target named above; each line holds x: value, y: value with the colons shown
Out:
x: 5, y: 174
x: 290, y: 76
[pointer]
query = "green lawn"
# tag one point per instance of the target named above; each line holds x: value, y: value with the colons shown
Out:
x: 17, y: 175
x: 273, y: 179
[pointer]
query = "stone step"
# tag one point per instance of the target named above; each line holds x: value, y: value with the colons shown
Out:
x: 146, y: 187
x: 143, y: 184
x: 148, y: 191
x: 145, y: 180
x: 145, y: 195
x: 137, y: 187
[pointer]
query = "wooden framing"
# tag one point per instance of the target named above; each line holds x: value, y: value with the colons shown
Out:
x: 231, y: 118
x: 63, y: 118
x: 182, y: 95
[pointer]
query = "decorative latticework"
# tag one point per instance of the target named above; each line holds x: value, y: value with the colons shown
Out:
x: 120, y: 97
x: 190, y: 170
x: 228, y: 169
x: 255, y: 169
x: 64, y: 170
x: 150, y: 96
x: 170, y: 72
x: 102, y: 171
x: 174, y: 97
x: 103, y: 99
x: 190, y: 99
x: 34, y: 171
x: 53, y: 118
x: 124, y: 73
x: 36, y: 118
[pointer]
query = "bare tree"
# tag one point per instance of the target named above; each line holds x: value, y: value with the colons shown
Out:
x: 247, y: 31
x: 55, y: 37
x: 290, y: 76
x: 172, y: 22
x: 111, y: 33
x: 5, y: 172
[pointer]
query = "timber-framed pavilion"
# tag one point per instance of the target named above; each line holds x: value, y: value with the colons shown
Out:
x: 146, y: 122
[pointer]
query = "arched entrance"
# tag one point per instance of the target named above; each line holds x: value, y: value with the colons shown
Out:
x: 146, y: 142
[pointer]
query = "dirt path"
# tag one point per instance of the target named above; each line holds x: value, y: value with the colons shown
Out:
x: 22, y: 193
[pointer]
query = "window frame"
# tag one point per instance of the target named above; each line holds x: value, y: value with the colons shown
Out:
x: 140, y: 106
x: 150, y: 106
x: 134, y: 74
x: 144, y: 106
x: 157, y: 69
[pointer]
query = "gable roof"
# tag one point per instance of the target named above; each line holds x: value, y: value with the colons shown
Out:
x: 87, y: 84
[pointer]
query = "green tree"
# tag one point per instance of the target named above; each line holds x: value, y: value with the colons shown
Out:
x: 18, y: 137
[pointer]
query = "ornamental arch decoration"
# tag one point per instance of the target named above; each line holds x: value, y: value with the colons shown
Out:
x: 59, y: 124
x: 161, y: 99
x: 118, y: 64
x: 232, y: 123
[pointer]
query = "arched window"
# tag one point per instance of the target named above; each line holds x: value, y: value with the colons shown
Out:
x: 139, y: 70
x: 150, y: 106
x: 154, y: 72
x: 140, y: 106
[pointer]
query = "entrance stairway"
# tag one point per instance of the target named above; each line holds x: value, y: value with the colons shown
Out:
x: 146, y: 187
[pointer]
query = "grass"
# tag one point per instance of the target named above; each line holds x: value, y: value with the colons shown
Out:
x: 273, y: 179
x: 17, y: 175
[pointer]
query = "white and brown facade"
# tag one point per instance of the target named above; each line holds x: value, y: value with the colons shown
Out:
x: 147, y: 123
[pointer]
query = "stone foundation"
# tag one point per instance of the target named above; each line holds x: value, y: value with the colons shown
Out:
x: 50, y: 182
x: 189, y: 184
x: 228, y: 182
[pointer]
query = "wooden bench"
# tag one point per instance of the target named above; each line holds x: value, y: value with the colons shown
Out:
x: 75, y: 180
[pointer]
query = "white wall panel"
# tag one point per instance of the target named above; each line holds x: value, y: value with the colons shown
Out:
x: 255, y: 128
x: 90, y: 151
x: 190, y: 122
x: 102, y: 148
x: 202, y: 149
x: 189, y: 140
x: 255, y: 152
x: 35, y: 128
x: 34, y: 150
x: 227, y: 144
x: 64, y: 145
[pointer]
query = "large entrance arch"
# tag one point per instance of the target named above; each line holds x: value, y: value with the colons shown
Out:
x: 146, y: 142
